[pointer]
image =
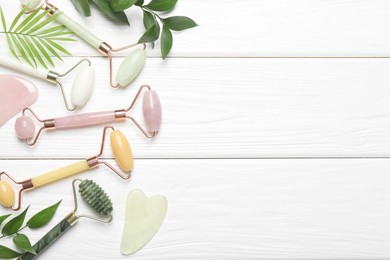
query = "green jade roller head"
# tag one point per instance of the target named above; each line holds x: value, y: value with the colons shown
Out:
x: 94, y: 196
x: 120, y: 148
x: 130, y: 67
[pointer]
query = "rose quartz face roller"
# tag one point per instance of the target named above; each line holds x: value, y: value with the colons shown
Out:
x: 82, y: 84
x: 120, y: 148
x: 130, y: 67
x: 151, y: 108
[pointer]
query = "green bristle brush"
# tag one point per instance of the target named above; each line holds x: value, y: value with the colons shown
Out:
x: 92, y: 194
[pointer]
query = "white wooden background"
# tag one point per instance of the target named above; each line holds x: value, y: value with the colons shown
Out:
x: 275, y: 140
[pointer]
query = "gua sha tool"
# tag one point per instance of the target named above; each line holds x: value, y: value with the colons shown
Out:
x: 94, y: 196
x: 130, y: 67
x: 15, y: 94
x: 25, y: 127
x: 82, y: 84
x: 120, y: 148
x: 143, y: 218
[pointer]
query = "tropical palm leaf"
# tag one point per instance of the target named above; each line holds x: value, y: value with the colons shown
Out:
x: 33, y: 38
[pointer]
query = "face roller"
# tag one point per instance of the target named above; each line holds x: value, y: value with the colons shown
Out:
x: 82, y: 84
x: 25, y: 126
x: 94, y: 196
x: 122, y: 153
x: 130, y: 67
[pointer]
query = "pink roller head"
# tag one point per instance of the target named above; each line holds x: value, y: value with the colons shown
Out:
x: 24, y: 127
x: 151, y: 108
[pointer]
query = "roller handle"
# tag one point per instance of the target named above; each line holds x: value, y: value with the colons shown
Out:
x: 78, y: 29
x: 13, y: 64
x: 47, y: 240
x: 60, y: 173
x: 84, y: 119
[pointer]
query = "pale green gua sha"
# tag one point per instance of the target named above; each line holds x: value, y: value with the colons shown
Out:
x: 143, y: 218
x: 131, y: 65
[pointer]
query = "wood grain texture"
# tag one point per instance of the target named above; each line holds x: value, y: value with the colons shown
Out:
x: 229, y: 209
x: 236, y: 108
x: 254, y: 28
x: 237, y: 155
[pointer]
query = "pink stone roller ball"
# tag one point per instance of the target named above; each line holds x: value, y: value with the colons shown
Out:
x: 151, y: 108
x: 24, y: 127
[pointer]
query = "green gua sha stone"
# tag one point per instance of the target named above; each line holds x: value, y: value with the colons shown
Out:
x: 143, y: 218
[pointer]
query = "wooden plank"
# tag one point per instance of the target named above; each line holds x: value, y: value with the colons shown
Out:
x: 224, y: 209
x: 234, y: 108
x: 250, y: 28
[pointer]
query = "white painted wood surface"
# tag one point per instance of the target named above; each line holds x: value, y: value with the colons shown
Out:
x: 242, y: 152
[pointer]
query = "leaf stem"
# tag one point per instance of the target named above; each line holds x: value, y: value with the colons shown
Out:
x: 20, y: 229
x: 153, y: 13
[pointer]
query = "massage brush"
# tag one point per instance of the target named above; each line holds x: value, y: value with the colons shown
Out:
x: 130, y: 67
x: 94, y: 196
x: 122, y: 153
x: 151, y: 107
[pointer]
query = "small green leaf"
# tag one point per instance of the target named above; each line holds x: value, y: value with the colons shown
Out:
x: 166, y: 41
x: 179, y: 23
x: 151, y: 34
x: 35, y: 51
x: 3, y: 20
x: 4, y: 217
x: 50, y: 49
x: 139, y: 3
x: 19, y: 47
x: 26, y: 49
x: 121, y: 5
x: 7, y: 253
x: 16, y: 20
x: 27, y: 20
x: 14, y: 224
x: 148, y: 20
x: 58, y: 47
x: 161, y: 5
x: 43, y: 217
x: 43, y: 51
x: 82, y: 6
x: 22, y: 242
x: 105, y: 7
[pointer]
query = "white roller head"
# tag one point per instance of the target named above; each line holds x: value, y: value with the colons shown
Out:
x: 32, y: 4
x: 83, y: 86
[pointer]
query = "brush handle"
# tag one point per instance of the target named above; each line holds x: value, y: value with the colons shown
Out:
x: 60, y: 173
x: 84, y: 119
x: 13, y: 64
x: 48, y: 239
x: 81, y: 31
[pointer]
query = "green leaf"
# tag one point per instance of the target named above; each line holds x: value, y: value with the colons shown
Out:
x: 139, y: 3
x: 7, y: 253
x: 179, y: 23
x: 43, y: 51
x: 43, y: 217
x: 82, y: 6
x: 58, y: 47
x: 120, y: 5
x: 27, y: 49
x: 36, y: 17
x: 105, y: 7
x: 166, y: 41
x: 43, y: 23
x: 3, y: 20
x: 54, y: 29
x: 161, y: 5
x: 27, y: 20
x: 35, y: 52
x: 22, y: 242
x: 151, y: 34
x: 20, y: 49
x: 16, y: 20
x: 4, y: 217
x: 51, y: 49
x: 14, y: 224
x: 148, y: 20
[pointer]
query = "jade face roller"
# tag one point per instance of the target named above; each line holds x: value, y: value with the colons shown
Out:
x: 130, y: 67
x: 94, y: 196
x: 25, y: 126
x: 122, y: 153
x: 82, y: 84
